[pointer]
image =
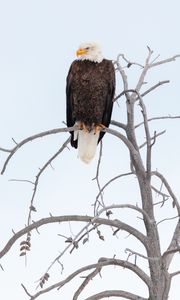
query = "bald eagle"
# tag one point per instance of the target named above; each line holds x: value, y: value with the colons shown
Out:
x: 89, y: 94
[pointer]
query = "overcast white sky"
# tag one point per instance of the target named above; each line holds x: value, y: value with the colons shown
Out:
x: 38, y: 39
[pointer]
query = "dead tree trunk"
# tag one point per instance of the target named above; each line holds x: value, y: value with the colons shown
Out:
x: 159, y: 276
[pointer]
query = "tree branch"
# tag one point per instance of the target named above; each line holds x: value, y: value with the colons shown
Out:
x: 122, y: 72
x: 152, y: 138
x: 133, y: 207
x: 59, y: 219
x: 175, y: 274
x: 153, y: 88
x: 171, y: 251
x: 102, y: 262
x: 31, y: 138
x: 130, y: 63
x: 164, y: 61
x: 86, y: 281
x: 134, y: 153
x: 59, y: 130
x: 158, y: 118
x: 118, y: 124
x: 115, y: 293
x: 111, y: 180
x: 132, y: 252
x: 144, y: 93
x: 148, y: 137
x: 164, y: 181
x: 5, y: 150
x: 144, y: 72
x: 174, y: 244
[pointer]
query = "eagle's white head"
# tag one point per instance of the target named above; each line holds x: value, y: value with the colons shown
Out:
x: 90, y: 51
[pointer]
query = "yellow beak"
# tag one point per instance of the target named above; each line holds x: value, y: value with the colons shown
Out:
x: 81, y: 51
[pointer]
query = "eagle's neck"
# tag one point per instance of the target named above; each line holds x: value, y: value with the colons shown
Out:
x: 94, y: 57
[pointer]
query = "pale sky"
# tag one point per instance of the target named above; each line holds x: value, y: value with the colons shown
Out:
x: 38, y: 42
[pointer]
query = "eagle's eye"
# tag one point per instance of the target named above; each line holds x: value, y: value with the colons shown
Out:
x: 87, y: 48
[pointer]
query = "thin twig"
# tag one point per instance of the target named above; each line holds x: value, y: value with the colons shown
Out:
x: 141, y: 255
x: 164, y: 181
x: 153, y: 88
x: 5, y: 150
x: 83, y: 235
x: 167, y: 219
x: 144, y: 93
x: 26, y: 291
x: 111, y: 180
x: 122, y: 72
x: 22, y: 180
x: 40, y: 173
x: 130, y: 63
x: 98, y: 182
x: 158, y: 118
x: 160, y: 193
x: 152, y: 138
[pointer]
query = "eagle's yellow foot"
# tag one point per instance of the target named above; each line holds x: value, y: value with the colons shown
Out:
x: 82, y: 126
x: 98, y: 128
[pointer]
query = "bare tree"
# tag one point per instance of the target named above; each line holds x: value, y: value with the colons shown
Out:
x: 158, y: 279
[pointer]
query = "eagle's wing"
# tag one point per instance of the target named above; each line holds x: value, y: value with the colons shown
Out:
x: 69, y: 103
x: 109, y: 99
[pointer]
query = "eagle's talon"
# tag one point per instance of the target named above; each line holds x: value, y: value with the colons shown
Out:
x: 98, y: 127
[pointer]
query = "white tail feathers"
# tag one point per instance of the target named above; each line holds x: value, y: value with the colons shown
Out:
x: 87, y: 144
